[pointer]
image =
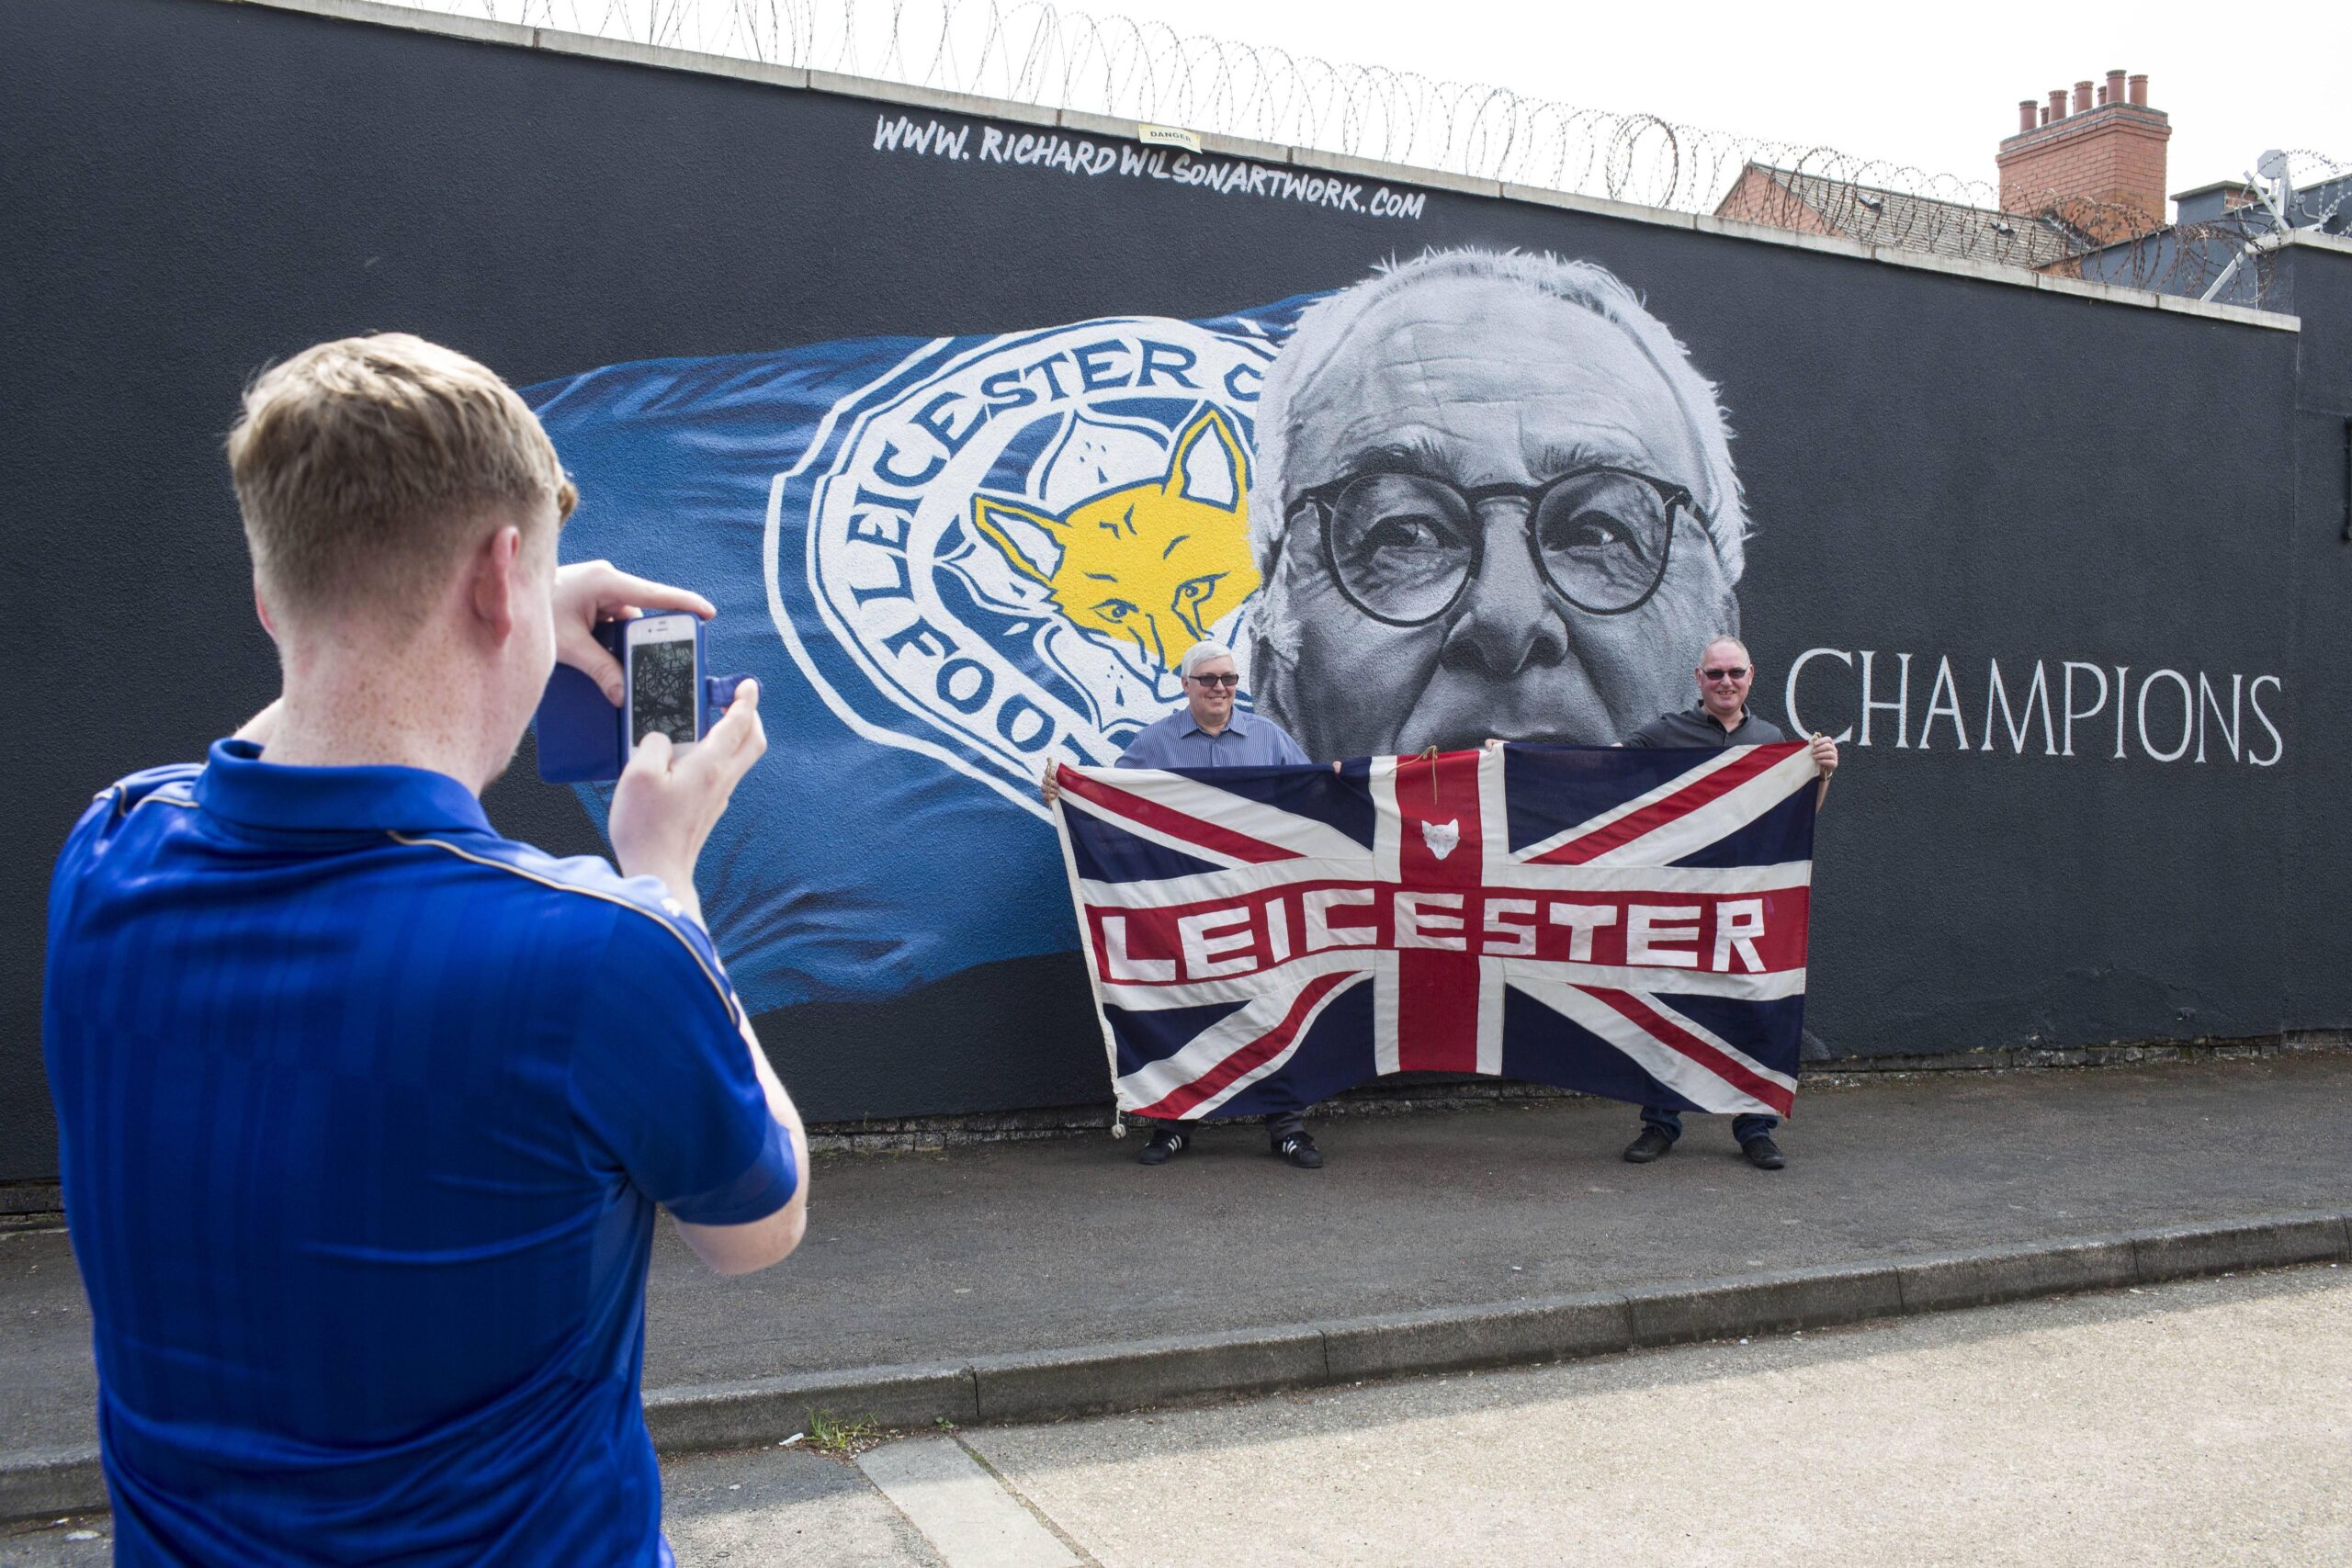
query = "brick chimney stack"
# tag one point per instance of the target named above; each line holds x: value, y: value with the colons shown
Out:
x: 2100, y: 166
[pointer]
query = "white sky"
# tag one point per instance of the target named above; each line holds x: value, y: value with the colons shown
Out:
x: 1935, y: 87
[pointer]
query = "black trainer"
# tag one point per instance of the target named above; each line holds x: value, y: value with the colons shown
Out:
x: 1300, y: 1150
x: 1652, y: 1144
x: 1763, y: 1152
x: 1166, y: 1144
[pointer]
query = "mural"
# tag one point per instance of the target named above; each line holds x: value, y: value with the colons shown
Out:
x: 2054, y: 567
x: 1495, y: 499
x: 1478, y: 493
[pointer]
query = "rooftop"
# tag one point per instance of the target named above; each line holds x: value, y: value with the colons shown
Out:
x: 1898, y: 219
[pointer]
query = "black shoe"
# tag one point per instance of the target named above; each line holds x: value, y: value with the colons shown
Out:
x: 1652, y: 1144
x: 1166, y: 1144
x: 1763, y: 1152
x: 1300, y: 1150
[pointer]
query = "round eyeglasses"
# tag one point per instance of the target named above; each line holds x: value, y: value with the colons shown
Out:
x: 1404, y: 548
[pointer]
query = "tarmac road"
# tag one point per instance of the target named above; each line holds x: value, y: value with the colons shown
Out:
x: 2206, y: 1422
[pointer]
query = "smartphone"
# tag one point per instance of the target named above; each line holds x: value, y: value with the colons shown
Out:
x: 664, y: 679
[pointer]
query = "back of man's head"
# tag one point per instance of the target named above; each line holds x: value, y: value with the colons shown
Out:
x: 366, y: 467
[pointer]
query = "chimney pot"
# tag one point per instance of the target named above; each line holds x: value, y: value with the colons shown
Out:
x: 2025, y: 107
x: 2105, y: 175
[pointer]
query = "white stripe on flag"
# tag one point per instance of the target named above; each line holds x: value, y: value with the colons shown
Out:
x: 1719, y: 818
x: 1155, y: 1081
x: 1672, y: 786
x: 1491, y: 987
x: 1383, y: 1012
x: 1666, y: 879
x: 1289, y: 979
x: 1217, y: 886
x: 1699, y: 1085
x: 1771, y: 986
x: 1235, y: 813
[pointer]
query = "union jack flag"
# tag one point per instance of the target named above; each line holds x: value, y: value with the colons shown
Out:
x: 1626, y: 922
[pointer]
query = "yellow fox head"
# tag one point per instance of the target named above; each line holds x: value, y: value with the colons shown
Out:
x: 1149, y: 563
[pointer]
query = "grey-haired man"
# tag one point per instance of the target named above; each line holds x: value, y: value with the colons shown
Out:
x: 1209, y: 732
x: 1491, y: 490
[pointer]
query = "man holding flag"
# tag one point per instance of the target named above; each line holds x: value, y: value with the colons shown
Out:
x: 1207, y: 732
x: 1720, y: 720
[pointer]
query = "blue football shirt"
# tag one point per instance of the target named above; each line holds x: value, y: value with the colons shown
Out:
x: 364, y: 1114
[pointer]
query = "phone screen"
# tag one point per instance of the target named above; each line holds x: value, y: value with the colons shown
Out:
x: 662, y: 690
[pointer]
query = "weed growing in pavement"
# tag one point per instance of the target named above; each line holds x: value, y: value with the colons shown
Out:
x: 843, y: 1439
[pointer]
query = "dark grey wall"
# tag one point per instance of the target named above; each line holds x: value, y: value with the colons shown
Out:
x: 1936, y: 465
x: 2316, y: 284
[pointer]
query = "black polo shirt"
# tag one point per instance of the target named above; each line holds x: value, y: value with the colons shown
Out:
x: 1694, y: 727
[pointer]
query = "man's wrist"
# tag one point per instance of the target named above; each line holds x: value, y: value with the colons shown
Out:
x: 680, y: 886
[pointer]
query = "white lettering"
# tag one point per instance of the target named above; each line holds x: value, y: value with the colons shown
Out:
x: 1938, y: 708
x: 1789, y: 696
x: 1321, y: 934
x: 2208, y: 697
x: 1900, y: 706
x: 2254, y: 701
x: 1738, y: 922
x: 2039, y: 691
x: 1421, y: 921
x: 1582, y: 921
x: 1648, y: 929
x: 2074, y: 713
x: 2121, y: 670
x: 1122, y: 968
x: 2188, y: 715
x: 1520, y: 935
x: 1205, y: 944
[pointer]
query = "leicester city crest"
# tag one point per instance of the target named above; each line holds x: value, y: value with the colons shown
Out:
x: 997, y: 552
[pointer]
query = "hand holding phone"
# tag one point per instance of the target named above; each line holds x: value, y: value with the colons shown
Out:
x: 591, y: 598
x: 670, y: 797
x: 663, y: 660
x: 618, y: 681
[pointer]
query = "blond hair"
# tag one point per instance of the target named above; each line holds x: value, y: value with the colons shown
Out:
x: 365, y: 468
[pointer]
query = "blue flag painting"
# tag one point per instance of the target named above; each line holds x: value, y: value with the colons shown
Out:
x: 949, y: 561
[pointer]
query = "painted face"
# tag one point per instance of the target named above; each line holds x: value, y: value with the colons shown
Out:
x: 1524, y: 560
x: 1724, y: 693
x: 1208, y: 696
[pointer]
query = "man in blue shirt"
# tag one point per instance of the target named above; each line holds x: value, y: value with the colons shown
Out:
x: 1209, y: 732
x: 365, y: 1108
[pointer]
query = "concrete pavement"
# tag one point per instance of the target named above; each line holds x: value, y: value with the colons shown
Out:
x: 2204, y: 1422
x: 2199, y: 1423
x: 989, y: 1276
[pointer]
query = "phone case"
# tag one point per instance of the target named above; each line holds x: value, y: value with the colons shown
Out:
x: 583, y: 738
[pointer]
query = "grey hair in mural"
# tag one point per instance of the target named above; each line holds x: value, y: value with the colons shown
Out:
x: 1493, y: 498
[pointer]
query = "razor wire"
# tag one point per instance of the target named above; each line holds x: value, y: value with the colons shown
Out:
x: 1044, y: 55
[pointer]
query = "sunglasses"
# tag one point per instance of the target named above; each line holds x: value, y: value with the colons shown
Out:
x: 1227, y: 679
x: 1735, y: 672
